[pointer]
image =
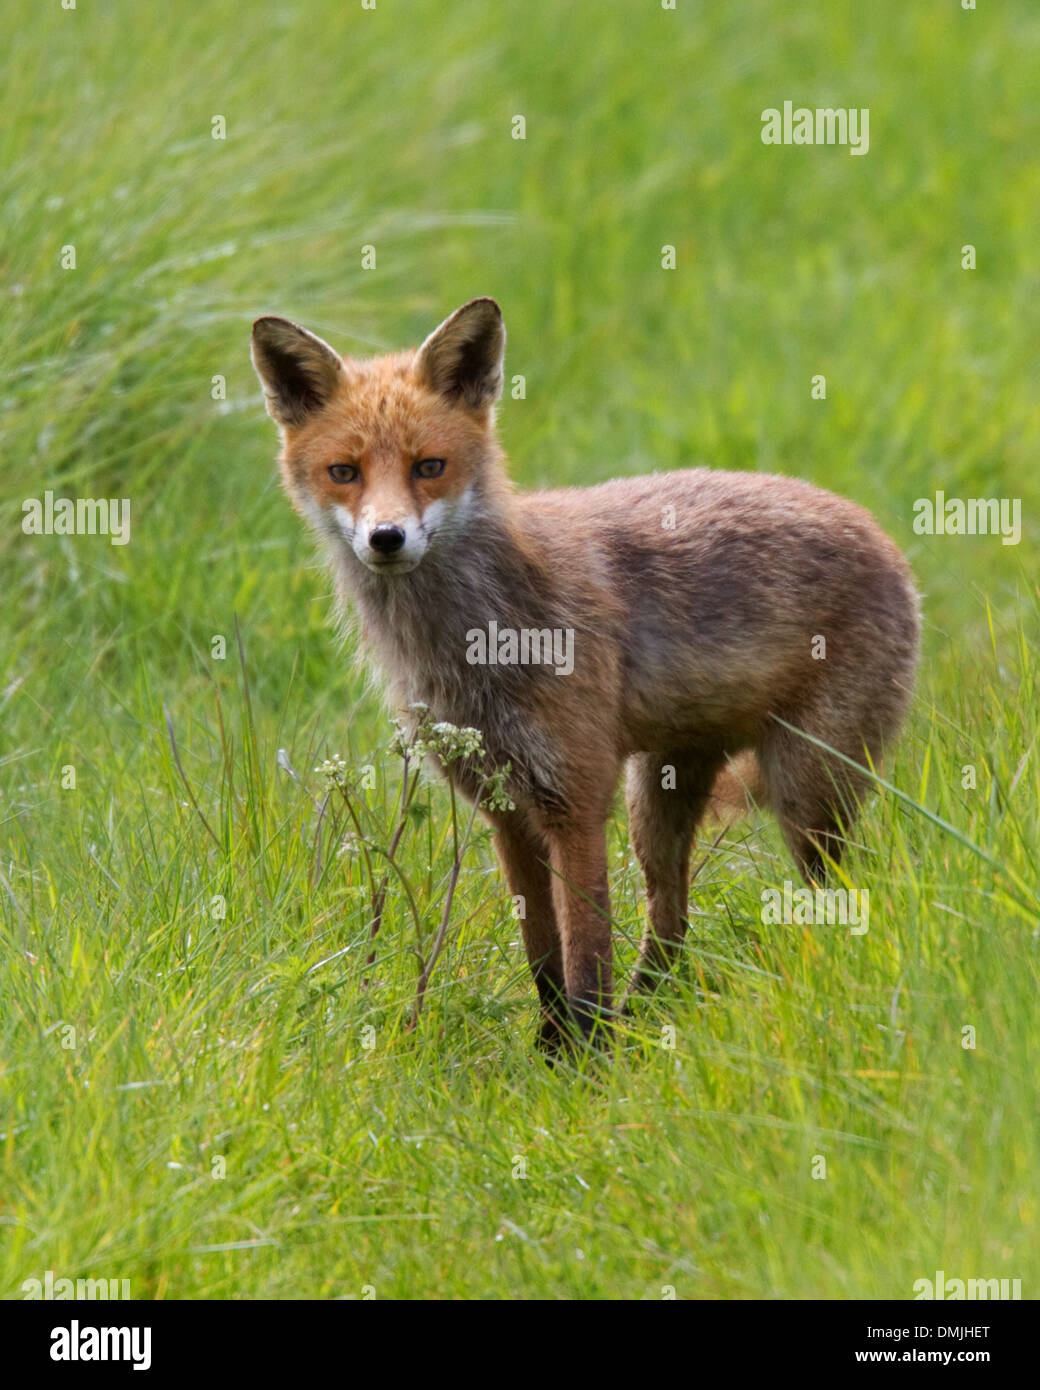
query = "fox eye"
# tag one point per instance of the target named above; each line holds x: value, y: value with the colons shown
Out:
x: 344, y: 472
x: 428, y: 468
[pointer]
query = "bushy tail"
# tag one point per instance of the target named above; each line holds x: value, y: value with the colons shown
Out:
x: 738, y: 788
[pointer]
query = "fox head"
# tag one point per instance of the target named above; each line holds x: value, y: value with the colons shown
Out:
x: 386, y: 457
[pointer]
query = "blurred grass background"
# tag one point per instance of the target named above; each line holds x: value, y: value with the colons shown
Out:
x: 392, y: 1168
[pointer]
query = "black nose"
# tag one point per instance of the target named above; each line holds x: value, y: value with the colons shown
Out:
x: 386, y: 538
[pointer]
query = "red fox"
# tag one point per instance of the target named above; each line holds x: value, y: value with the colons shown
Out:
x: 684, y: 625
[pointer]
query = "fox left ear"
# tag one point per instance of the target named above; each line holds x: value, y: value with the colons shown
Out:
x: 298, y: 371
x: 462, y: 358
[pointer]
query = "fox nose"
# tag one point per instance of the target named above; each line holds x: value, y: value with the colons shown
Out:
x: 386, y: 538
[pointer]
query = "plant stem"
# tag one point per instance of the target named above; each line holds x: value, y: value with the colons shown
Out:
x: 442, y: 930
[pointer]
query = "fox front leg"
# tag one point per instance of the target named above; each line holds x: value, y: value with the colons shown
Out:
x: 579, y: 867
x: 525, y: 857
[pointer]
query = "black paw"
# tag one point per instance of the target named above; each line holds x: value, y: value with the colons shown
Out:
x: 551, y: 1038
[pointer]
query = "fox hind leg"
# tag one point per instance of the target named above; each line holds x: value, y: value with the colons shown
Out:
x: 815, y: 797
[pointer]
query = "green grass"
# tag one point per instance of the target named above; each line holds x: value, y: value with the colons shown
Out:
x: 199, y: 1037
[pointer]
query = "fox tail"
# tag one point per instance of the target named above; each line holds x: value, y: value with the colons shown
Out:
x: 738, y: 788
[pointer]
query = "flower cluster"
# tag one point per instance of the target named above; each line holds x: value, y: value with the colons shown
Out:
x: 446, y: 741
x: 451, y: 743
x: 334, y: 770
x: 496, y: 797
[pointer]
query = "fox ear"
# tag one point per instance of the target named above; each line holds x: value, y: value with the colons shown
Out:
x: 297, y: 370
x: 462, y: 359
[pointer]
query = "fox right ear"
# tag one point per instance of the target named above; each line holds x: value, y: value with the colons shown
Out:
x: 462, y: 357
x: 298, y: 371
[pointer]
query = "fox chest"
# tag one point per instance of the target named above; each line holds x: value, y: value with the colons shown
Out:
x: 505, y: 710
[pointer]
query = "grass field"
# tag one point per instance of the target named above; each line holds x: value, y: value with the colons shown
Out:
x: 199, y: 1091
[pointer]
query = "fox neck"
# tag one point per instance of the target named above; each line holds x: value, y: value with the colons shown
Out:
x: 483, y: 571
